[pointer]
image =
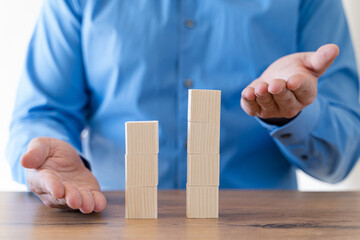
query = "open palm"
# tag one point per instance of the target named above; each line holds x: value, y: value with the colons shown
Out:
x: 57, y: 175
x: 288, y: 85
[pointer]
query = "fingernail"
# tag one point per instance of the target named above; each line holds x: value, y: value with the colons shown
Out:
x: 245, y: 94
x: 280, y: 91
x: 259, y: 94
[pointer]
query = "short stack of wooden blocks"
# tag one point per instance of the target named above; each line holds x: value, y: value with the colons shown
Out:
x: 203, y: 147
x: 141, y: 169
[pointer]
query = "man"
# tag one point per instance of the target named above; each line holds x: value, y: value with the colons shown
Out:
x: 95, y: 64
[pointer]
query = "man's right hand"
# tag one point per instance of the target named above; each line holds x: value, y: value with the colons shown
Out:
x: 57, y: 175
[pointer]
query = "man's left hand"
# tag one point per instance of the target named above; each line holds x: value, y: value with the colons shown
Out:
x: 288, y: 85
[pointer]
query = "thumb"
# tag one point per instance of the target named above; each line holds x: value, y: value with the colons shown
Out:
x: 321, y: 60
x: 37, y: 152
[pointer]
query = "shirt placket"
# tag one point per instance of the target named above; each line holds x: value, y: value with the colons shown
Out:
x: 186, y: 80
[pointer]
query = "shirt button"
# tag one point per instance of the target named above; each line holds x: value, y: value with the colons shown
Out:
x: 188, y: 83
x: 304, y: 157
x: 189, y: 23
x: 286, y: 135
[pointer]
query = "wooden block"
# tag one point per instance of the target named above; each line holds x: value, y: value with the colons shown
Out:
x: 142, y: 137
x: 141, y: 170
x: 204, y: 105
x: 203, y: 170
x: 203, y: 138
x: 202, y: 202
x: 140, y: 202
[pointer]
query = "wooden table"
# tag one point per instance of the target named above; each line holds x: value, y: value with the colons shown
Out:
x: 243, y: 215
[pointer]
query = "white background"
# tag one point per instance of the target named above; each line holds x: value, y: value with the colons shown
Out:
x: 17, y: 20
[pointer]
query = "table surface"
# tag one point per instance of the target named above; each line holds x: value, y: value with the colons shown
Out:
x: 243, y: 215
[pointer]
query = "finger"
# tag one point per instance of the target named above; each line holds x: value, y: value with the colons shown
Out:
x: 265, y: 100
x: 88, y: 202
x: 45, y: 182
x: 320, y: 60
x: 100, y: 201
x: 72, y: 196
x: 52, y: 202
x: 55, y: 187
x: 304, y: 88
x: 248, y: 101
x: 37, y: 153
x: 287, y: 104
x: 261, y: 89
x: 248, y: 93
x: 277, y: 86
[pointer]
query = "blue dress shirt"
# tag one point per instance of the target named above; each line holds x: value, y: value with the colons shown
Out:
x: 92, y: 65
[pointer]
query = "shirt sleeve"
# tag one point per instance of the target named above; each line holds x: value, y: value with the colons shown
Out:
x: 324, y: 139
x: 52, y: 97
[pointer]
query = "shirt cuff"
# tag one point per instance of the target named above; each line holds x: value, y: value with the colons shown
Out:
x: 86, y: 162
x: 298, y: 128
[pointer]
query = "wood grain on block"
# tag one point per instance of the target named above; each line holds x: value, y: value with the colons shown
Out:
x: 142, y: 137
x: 202, y: 202
x: 203, y: 169
x: 140, y: 202
x: 204, y: 105
x: 203, y: 138
x: 141, y: 169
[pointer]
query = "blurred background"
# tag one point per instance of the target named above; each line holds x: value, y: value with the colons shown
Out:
x: 17, y: 20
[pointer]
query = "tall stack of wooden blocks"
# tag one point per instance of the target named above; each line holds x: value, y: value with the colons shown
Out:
x: 141, y: 169
x: 203, y: 147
